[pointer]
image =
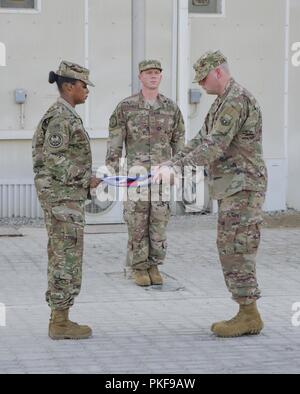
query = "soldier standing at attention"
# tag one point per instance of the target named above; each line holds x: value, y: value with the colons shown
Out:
x: 152, y: 128
x: 230, y: 146
x: 62, y: 164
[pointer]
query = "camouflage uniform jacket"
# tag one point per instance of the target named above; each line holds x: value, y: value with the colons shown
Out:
x: 62, y: 159
x: 152, y: 134
x: 229, y: 145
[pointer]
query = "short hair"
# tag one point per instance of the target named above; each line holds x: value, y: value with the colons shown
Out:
x: 225, y: 67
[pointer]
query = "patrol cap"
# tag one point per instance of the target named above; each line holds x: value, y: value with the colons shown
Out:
x: 73, y: 70
x: 149, y: 64
x: 206, y: 63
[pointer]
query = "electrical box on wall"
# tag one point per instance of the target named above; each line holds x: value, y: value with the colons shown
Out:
x: 20, y: 96
x: 194, y: 96
x: 205, y: 6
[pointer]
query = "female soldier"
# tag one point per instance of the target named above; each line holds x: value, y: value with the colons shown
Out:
x: 62, y: 164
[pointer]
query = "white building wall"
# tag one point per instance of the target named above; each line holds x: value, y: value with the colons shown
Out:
x: 159, y: 38
x: 293, y: 199
x: 35, y: 45
x: 109, y: 58
x: 252, y: 36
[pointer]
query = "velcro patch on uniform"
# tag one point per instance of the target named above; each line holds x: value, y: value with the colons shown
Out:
x: 55, y: 140
x: 226, y: 120
x: 113, y: 121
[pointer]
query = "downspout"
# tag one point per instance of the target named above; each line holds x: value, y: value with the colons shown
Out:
x: 174, y: 53
x: 286, y: 95
x: 86, y: 59
x: 183, y: 60
x: 138, y: 10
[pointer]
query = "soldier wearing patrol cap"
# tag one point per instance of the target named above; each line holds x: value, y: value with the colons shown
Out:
x: 151, y: 127
x: 62, y: 164
x: 229, y: 145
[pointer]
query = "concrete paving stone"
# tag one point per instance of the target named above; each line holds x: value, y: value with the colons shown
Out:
x: 150, y: 330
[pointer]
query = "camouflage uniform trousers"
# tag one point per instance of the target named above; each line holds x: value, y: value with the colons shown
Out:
x: 65, y: 226
x: 239, y: 223
x: 147, y: 241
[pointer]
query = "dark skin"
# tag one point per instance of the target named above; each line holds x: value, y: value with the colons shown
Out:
x: 76, y: 94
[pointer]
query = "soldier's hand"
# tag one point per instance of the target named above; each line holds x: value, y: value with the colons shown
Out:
x: 94, y: 182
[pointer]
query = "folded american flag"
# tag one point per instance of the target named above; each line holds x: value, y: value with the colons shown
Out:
x: 127, y: 181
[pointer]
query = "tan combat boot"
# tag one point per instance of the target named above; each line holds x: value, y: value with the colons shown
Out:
x: 60, y: 327
x: 246, y: 322
x: 141, y: 277
x: 155, y: 276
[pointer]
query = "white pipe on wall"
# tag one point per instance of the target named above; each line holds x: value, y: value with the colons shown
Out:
x: 86, y: 58
x: 174, y: 54
x: 183, y: 60
x: 138, y: 10
x: 22, y: 116
x: 286, y: 92
x: 286, y: 76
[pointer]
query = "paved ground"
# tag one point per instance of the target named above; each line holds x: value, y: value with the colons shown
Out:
x: 152, y: 330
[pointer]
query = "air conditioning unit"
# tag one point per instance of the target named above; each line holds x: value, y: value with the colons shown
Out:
x: 108, y: 211
x: 277, y: 178
x: 19, y: 199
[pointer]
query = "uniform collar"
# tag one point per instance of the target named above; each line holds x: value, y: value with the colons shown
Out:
x: 159, y: 103
x: 228, y: 87
x: 69, y: 106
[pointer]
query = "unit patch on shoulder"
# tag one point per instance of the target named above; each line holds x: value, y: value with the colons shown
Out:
x: 55, y: 140
x: 226, y: 120
x: 113, y: 121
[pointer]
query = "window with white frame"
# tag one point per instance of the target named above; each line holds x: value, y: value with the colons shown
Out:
x: 211, y: 7
x: 19, y: 4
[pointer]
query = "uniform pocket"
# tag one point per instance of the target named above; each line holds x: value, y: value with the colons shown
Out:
x: 67, y: 223
x: 70, y: 235
x: 65, y: 214
x: 247, y: 239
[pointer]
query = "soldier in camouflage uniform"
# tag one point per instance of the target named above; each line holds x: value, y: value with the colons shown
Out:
x: 229, y: 145
x: 152, y: 128
x: 62, y: 163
